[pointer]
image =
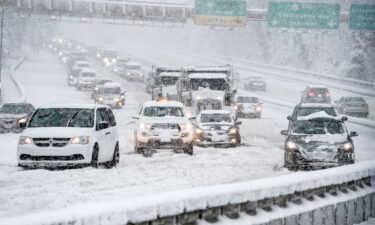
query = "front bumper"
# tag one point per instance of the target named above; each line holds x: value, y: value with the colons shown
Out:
x: 111, y: 103
x: 6, y: 127
x: 207, y: 139
x: 86, y: 86
x: 248, y: 114
x: 164, y: 142
x: 33, y: 156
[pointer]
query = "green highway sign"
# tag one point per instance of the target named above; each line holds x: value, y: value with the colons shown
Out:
x: 221, y: 12
x: 362, y: 17
x: 303, y: 15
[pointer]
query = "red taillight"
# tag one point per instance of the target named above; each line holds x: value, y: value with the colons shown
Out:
x: 328, y: 94
x: 310, y: 94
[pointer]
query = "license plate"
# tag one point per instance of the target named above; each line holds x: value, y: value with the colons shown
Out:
x: 165, y: 140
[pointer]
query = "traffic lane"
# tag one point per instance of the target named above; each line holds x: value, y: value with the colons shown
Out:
x: 44, y: 80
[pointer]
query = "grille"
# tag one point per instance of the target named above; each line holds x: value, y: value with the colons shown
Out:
x: 54, y: 142
x: 52, y: 158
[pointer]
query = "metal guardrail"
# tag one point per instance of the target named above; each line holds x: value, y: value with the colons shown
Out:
x: 343, y: 193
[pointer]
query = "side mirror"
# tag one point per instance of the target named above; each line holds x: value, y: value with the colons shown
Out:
x: 192, y: 118
x: 289, y: 117
x: 135, y: 117
x: 22, y: 125
x: 284, y: 132
x: 353, y: 134
x: 344, y: 118
x: 237, y: 123
x: 103, y: 125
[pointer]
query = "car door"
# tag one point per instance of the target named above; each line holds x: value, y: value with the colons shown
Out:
x: 113, y: 129
x: 102, y: 134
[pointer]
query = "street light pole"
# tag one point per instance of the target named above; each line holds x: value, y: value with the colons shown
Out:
x: 1, y: 37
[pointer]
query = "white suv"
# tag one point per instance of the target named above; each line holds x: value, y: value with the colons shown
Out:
x: 69, y: 135
x: 163, y: 125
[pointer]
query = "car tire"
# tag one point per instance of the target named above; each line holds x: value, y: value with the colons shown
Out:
x: 189, y: 150
x: 288, y: 164
x: 115, y: 159
x: 95, y: 156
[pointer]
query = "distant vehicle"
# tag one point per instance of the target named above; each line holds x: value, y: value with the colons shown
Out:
x: 72, y: 58
x: 86, y: 79
x: 69, y: 135
x: 248, y: 106
x: 316, y: 94
x: 78, y: 66
x: 353, y: 106
x: 206, y: 87
x: 163, y: 82
x: 12, y: 114
x: 217, y: 128
x: 318, y: 141
x: 111, y: 94
x: 133, y: 72
x: 163, y: 124
x: 305, y: 109
x: 118, y: 67
x: 108, y: 57
x: 98, y: 83
x: 254, y: 83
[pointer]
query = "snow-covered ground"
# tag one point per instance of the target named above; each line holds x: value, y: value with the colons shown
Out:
x: 43, y: 76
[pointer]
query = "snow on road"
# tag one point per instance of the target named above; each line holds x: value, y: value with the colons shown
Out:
x: 28, y: 191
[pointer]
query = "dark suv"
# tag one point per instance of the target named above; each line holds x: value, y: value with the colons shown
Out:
x: 316, y: 94
x: 317, y: 141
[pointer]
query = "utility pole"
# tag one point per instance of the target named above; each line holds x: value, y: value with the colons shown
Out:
x: 1, y: 38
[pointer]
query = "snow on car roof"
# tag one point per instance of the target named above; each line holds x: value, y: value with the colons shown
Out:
x: 102, y: 78
x: 82, y: 62
x: 316, y: 86
x: 214, y: 112
x: 87, y: 70
x: 163, y: 104
x: 170, y: 74
x: 112, y: 85
x: 315, y: 105
x: 133, y: 64
x: 317, y: 115
x: 208, y: 76
x: 209, y: 68
x: 70, y: 106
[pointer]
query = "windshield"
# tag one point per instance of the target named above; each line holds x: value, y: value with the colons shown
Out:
x: 355, y: 99
x: 308, y: 111
x: 61, y: 117
x: 83, y: 65
x: 88, y: 74
x: 317, y: 126
x: 14, y: 109
x: 169, y: 81
x: 101, y: 82
x: 216, y: 118
x: 212, y: 84
x: 163, y: 111
x: 133, y: 67
x: 110, y: 90
x: 242, y: 99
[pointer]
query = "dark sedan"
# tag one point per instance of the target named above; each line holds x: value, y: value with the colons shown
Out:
x: 12, y: 114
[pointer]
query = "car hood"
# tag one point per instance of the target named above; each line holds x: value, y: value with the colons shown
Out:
x: 222, y: 126
x: 87, y: 79
x: 168, y: 119
x: 12, y: 116
x: 205, y: 93
x: 320, y: 147
x: 110, y: 96
x: 49, y: 132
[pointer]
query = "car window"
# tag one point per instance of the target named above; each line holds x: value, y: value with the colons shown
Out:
x: 310, y: 110
x: 112, y: 119
x: 104, y: 113
x: 163, y: 111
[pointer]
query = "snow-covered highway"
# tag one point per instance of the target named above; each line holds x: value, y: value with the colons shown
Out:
x: 44, y: 78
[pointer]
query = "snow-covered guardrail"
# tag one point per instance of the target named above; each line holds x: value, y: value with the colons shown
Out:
x: 22, y: 98
x: 336, y: 195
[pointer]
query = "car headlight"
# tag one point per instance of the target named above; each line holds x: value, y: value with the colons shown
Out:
x: 145, y: 125
x: 24, y: 140
x: 22, y: 120
x: 105, y: 59
x: 233, y: 131
x: 347, y: 147
x: 82, y: 140
x: 99, y: 99
x: 291, y: 146
x: 60, y: 53
x: 198, y: 97
x: 258, y: 109
x: 128, y: 73
x: 198, y: 131
x: 122, y: 96
x: 115, y: 69
x: 98, y: 55
x: 96, y: 88
x: 186, y: 126
x: 117, y: 99
x: 219, y: 98
x: 114, y: 60
x: 71, y: 77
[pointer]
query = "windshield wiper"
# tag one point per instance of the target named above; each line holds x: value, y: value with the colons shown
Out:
x: 71, y: 118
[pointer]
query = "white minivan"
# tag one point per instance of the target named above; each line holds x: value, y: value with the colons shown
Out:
x: 69, y: 135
